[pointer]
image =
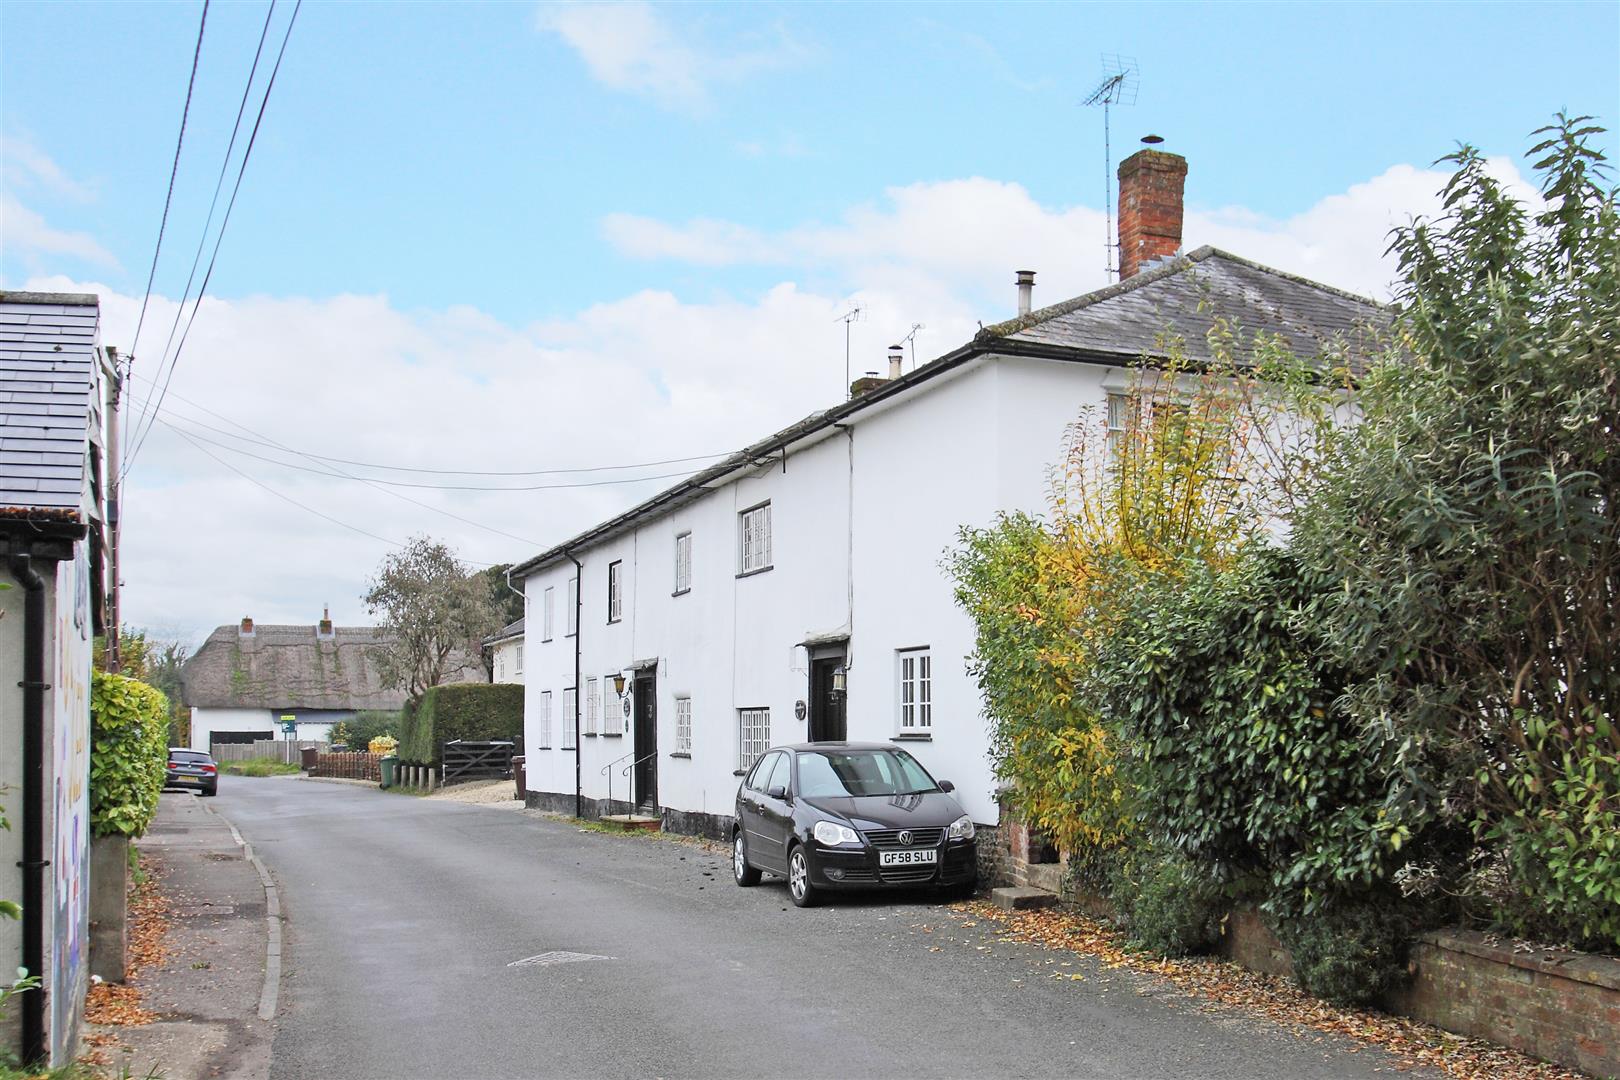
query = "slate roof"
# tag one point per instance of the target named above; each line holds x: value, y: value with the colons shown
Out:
x: 287, y: 667
x: 512, y: 630
x: 49, y: 404
x: 1120, y: 325
x: 1184, y: 296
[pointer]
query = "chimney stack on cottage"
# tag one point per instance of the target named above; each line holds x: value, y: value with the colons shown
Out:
x: 324, y: 630
x: 1151, y: 183
x: 247, y: 627
x: 1025, y: 280
x: 897, y: 357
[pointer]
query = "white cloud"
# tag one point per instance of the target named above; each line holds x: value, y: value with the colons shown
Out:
x: 965, y: 237
x: 633, y: 378
x: 631, y: 47
x: 25, y: 231
x: 25, y: 166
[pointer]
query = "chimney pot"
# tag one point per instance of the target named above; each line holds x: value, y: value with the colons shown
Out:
x: 324, y: 629
x: 1151, y: 187
x: 1025, y: 280
x: 897, y: 357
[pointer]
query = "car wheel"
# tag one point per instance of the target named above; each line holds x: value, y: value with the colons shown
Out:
x: 209, y: 793
x: 746, y: 875
x: 804, y: 894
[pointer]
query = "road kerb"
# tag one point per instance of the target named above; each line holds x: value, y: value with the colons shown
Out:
x: 272, y: 922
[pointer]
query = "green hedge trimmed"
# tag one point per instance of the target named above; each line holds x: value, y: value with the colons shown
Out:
x: 129, y: 748
x: 475, y: 711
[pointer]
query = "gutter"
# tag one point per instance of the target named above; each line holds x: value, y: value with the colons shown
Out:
x: 32, y: 1035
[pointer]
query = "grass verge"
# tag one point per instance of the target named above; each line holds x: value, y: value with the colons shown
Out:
x: 261, y: 767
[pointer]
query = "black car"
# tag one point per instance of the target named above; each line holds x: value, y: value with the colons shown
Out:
x: 845, y: 815
x: 192, y: 769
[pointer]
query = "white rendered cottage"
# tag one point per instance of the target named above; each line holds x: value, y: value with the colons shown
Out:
x: 795, y: 591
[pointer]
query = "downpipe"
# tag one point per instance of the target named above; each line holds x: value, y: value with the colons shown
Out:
x: 579, y: 692
x: 31, y: 1049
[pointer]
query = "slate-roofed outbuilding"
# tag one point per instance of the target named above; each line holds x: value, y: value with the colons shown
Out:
x: 50, y: 421
x: 507, y: 633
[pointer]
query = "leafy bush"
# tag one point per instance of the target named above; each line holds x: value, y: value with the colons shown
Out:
x: 370, y: 724
x: 475, y: 711
x: 1170, y: 908
x: 1466, y: 528
x: 383, y: 744
x: 129, y: 749
x: 1348, y: 954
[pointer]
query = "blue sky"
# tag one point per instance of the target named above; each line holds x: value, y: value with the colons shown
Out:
x: 520, y: 236
x: 464, y: 154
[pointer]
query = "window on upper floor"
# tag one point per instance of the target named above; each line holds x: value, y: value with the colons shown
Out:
x: 572, y: 601
x: 615, y: 595
x: 683, y: 563
x: 545, y: 719
x: 754, y: 539
x: 548, y: 612
x: 915, y: 668
x: 570, y: 718
x: 683, y: 725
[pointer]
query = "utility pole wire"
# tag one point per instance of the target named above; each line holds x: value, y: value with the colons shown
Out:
x: 224, y: 224
x: 174, y: 170
x: 219, y: 184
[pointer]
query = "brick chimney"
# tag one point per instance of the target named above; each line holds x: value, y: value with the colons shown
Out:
x: 323, y: 629
x: 1150, y: 191
x: 246, y: 628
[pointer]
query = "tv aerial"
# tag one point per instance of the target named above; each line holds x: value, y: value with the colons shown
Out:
x: 911, y: 340
x: 855, y: 314
x: 1118, y: 87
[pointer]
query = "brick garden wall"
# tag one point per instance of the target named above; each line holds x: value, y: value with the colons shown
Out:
x: 348, y: 766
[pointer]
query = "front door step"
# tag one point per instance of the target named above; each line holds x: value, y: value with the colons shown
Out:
x: 1048, y: 876
x: 1021, y: 897
x: 633, y: 822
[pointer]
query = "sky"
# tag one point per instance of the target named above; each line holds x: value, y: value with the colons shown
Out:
x: 518, y: 237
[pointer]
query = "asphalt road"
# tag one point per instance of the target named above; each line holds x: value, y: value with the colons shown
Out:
x: 405, y: 916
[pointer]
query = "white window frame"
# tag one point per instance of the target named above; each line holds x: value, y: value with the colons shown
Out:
x: 1118, y: 417
x: 753, y: 735
x: 914, y: 697
x: 683, y: 563
x: 570, y: 737
x: 615, y: 590
x: 549, y: 610
x: 683, y: 724
x: 617, y: 709
x: 500, y: 666
x: 571, y: 616
x: 754, y: 540
x: 593, y: 705
x: 545, y: 719
x: 518, y: 667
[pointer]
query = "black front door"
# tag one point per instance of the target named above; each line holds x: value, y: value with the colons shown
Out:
x: 646, y: 709
x: 826, y: 707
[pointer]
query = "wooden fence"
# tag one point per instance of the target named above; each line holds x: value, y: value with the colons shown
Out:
x: 282, y: 750
x: 349, y: 766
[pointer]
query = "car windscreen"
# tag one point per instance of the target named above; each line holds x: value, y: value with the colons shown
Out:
x: 861, y: 772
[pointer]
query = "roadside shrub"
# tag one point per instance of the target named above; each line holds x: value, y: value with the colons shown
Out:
x: 1170, y: 908
x: 1348, y: 954
x: 129, y: 747
x: 383, y: 744
x: 475, y: 711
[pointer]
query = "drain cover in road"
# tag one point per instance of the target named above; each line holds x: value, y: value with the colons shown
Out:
x: 546, y: 959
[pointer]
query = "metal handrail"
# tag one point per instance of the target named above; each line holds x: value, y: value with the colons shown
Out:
x: 609, y: 766
x: 626, y: 770
x: 607, y: 770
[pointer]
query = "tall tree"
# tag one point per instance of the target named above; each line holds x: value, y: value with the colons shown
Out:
x: 436, y: 612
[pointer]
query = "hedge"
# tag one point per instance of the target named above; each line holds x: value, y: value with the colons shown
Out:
x: 129, y: 748
x: 476, y: 711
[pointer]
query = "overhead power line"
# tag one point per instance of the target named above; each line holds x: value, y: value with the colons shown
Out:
x: 247, y: 154
x: 219, y: 184
x: 174, y: 170
x: 557, y: 471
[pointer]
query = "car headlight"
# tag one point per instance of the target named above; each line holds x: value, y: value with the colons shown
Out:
x: 962, y: 828
x: 832, y: 834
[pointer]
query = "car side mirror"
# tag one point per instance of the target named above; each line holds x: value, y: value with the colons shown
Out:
x: 946, y: 786
x: 777, y: 791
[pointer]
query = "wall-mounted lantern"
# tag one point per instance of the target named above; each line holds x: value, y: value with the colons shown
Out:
x: 840, y: 679
x: 618, y: 684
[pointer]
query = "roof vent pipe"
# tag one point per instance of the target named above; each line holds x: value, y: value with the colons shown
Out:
x: 897, y: 356
x: 1025, y: 280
